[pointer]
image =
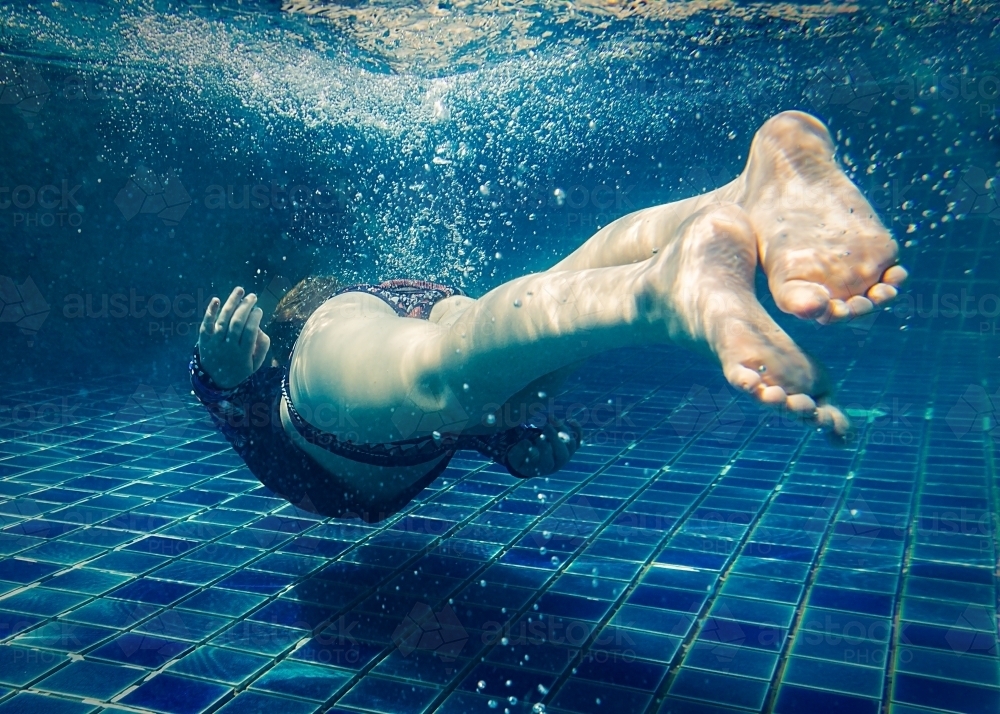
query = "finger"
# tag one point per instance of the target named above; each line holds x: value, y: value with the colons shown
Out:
x: 576, y: 432
x: 546, y: 461
x: 260, y: 349
x: 518, y: 457
x: 211, y: 313
x: 569, y: 439
x: 226, y: 314
x: 249, y: 336
x: 240, y: 317
x: 560, y: 453
x: 554, y: 437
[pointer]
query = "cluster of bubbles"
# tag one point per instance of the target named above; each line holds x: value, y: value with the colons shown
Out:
x: 465, y: 177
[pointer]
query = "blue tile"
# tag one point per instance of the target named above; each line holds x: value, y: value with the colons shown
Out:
x: 222, y: 602
x: 43, y: 601
x: 620, y: 669
x: 719, y: 688
x: 258, y: 638
x: 173, y: 694
x: 40, y: 528
x: 731, y: 658
x: 111, y: 613
x: 335, y: 650
x: 140, y: 650
x: 130, y: 563
x: 389, y: 695
x: 152, y: 591
x: 21, y: 665
x: 183, y: 625
x: 258, y: 703
x: 801, y: 700
x: 28, y: 703
x: 91, y: 680
x: 852, y: 600
x: 13, y: 623
x: 691, y: 558
x: 256, y: 582
x: 943, y: 694
x: 159, y: 545
x: 25, y: 571
x: 578, y: 695
x: 668, y: 598
x: 221, y: 665
x: 299, y: 679
x: 64, y: 636
x: 836, y: 676
x: 86, y: 580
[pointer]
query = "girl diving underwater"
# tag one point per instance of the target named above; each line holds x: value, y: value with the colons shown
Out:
x: 369, y: 388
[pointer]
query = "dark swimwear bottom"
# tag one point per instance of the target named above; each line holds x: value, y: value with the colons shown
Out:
x: 249, y: 416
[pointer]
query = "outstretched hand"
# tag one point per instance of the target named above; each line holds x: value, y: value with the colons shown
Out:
x: 231, y: 344
x: 547, y: 452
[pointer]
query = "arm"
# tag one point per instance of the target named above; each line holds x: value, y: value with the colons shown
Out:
x: 231, y: 348
x: 526, y: 450
x: 231, y: 345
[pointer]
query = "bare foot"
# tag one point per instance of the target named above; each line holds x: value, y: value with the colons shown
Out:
x: 707, y: 276
x: 825, y: 252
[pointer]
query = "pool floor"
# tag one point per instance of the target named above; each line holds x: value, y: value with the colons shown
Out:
x: 697, y: 555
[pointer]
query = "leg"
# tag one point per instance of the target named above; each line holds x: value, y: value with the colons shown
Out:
x: 825, y: 252
x: 642, y: 234
x: 698, y: 291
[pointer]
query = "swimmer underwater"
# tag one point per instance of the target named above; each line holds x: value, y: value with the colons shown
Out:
x: 395, y: 353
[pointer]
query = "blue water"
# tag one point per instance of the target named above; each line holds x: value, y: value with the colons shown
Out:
x: 697, y: 555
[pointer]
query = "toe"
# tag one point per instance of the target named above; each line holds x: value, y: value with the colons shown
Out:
x: 882, y: 293
x: 859, y: 306
x: 836, y: 312
x: 831, y: 417
x: 895, y: 275
x: 803, y: 299
x: 800, y: 404
x: 743, y: 377
x: 772, y: 395
x: 823, y: 418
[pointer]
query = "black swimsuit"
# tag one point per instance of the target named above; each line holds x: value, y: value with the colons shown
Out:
x: 249, y: 416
